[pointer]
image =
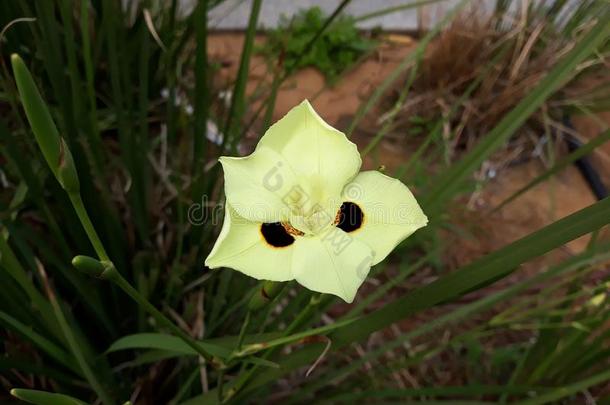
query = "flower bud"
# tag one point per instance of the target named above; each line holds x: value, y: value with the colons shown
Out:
x: 93, y: 267
x: 265, y: 294
x: 53, y: 147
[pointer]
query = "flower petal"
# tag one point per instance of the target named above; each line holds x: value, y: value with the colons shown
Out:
x: 391, y: 213
x: 320, y: 155
x: 241, y: 246
x: 257, y: 185
x: 333, y: 263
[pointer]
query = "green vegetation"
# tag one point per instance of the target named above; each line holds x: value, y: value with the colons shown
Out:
x: 334, y: 51
x: 109, y: 201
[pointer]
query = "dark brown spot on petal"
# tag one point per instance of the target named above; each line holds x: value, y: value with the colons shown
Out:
x: 350, y: 217
x: 276, y: 235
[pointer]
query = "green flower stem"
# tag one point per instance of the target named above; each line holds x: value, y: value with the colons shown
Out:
x: 220, y: 384
x: 79, y: 207
x: 242, y: 332
x: 294, y: 325
x: 110, y: 273
x: 263, y: 295
x: 113, y: 275
x: 266, y: 293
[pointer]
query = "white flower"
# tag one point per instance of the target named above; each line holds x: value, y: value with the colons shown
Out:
x: 297, y: 208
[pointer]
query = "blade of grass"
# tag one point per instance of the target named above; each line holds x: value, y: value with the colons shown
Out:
x: 238, y: 98
x: 13, y: 267
x: 165, y: 342
x: 75, y: 348
x: 40, y: 341
x: 256, y: 347
x: 44, y: 398
x: 569, y: 389
x: 112, y: 26
x: 283, y: 72
x: 202, y: 89
x: 94, y: 132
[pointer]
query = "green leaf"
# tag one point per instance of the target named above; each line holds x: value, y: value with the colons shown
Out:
x: 44, y: 398
x: 172, y: 346
x: 255, y: 347
x: 161, y: 341
x: 40, y: 341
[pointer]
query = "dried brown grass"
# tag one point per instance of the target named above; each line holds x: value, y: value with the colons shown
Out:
x: 510, y: 54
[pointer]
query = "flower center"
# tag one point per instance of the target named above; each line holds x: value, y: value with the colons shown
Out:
x: 312, y: 224
x: 281, y: 234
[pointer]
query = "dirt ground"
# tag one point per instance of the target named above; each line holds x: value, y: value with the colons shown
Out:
x: 554, y: 199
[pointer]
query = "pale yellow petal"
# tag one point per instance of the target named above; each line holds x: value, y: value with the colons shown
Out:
x: 323, y: 158
x: 391, y: 213
x: 242, y: 247
x: 333, y: 263
x: 258, y: 186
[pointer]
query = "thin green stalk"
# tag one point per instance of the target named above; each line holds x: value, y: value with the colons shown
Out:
x: 242, y: 331
x: 94, y: 135
x: 79, y: 207
x: 201, y: 113
x: 13, y: 267
x: 288, y: 70
x: 238, y: 100
x: 294, y: 325
x: 75, y: 348
x: 567, y: 390
x: 275, y: 88
x: 419, y: 53
x: 201, y: 87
